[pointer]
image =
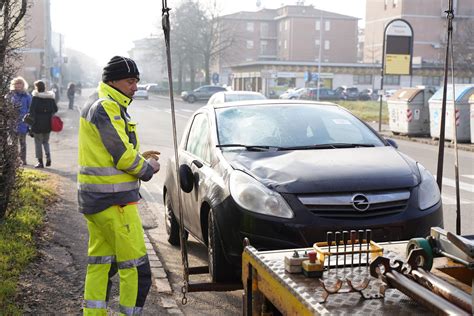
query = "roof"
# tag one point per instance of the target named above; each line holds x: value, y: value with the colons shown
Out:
x: 268, y: 102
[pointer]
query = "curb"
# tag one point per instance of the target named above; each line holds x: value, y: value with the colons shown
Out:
x: 429, y: 141
x: 160, y: 279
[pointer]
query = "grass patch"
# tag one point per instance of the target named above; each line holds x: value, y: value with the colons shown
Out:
x: 367, y: 110
x: 30, y: 199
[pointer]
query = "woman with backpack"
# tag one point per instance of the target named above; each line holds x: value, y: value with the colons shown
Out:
x: 43, y: 106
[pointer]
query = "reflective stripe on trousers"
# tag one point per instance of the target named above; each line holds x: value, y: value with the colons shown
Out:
x: 116, y: 243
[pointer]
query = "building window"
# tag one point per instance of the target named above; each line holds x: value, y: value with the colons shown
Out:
x: 462, y: 80
x: 327, y: 25
x: 318, y: 25
x: 286, y: 25
x: 385, y: 4
x: 264, y: 29
x: 391, y: 80
x: 362, y: 79
x: 249, y: 44
x: 285, y: 46
x: 316, y: 42
x: 250, y: 26
x: 326, y: 45
x: 431, y: 81
x: 279, y: 44
x: 281, y: 26
x: 263, y: 47
x: 395, y: 3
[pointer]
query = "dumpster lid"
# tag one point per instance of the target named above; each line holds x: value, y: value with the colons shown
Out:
x: 405, y: 94
x: 462, y: 91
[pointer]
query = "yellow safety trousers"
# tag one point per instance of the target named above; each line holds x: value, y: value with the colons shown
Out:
x: 116, y: 243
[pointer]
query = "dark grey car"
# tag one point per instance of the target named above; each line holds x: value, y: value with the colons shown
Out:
x: 201, y: 93
x: 284, y: 173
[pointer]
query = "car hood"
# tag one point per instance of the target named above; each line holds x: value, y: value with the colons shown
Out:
x: 328, y: 170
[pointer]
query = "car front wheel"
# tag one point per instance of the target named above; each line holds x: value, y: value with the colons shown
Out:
x: 219, y: 269
x: 172, y: 225
x: 191, y: 99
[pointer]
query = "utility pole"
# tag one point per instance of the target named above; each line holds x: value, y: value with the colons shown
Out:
x: 320, y: 49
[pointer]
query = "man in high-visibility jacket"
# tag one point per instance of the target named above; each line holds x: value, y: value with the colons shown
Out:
x: 110, y: 170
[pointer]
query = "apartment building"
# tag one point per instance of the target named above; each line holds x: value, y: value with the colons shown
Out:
x: 148, y: 53
x: 427, y: 18
x: 290, y: 33
x: 38, y: 55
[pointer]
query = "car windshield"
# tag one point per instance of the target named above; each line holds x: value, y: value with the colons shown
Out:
x: 291, y: 127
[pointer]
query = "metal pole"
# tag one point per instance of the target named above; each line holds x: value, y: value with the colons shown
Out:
x: 456, y: 158
x: 184, y: 254
x: 381, y: 80
x: 320, y: 48
x: 439, y: 173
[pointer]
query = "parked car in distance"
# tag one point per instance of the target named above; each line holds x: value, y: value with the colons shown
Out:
x: 292, y: 94
x: 154, y: 88
x: 366, y: 94
x: 351, y: 94
x: 232, y: 96
x: 141, y: 93
x: 201, y: 93
x: 325, y: 94
x: 285, y: 172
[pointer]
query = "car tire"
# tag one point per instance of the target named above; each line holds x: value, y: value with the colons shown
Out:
x: 191, y: 99
x: 172, y: 225
x: 219, y: 269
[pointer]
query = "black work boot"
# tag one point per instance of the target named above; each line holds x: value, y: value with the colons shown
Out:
x: 39, y: 164
x: 48, y: 161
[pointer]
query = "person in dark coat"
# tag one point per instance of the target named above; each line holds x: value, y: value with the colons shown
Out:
x: 71, y: 91
x: 43, y: 106
x: 21, y: 100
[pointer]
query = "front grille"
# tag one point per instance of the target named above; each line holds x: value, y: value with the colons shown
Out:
x: 354, y: 205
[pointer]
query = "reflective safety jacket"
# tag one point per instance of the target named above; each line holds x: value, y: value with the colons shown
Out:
x: 110, y: 165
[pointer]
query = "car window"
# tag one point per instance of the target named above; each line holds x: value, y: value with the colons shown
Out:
x: 198, y: 138
x: 287, y: 126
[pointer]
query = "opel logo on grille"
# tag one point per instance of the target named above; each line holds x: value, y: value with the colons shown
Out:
x: 360, y: 202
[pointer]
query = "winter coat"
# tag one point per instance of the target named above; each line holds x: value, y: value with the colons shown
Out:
x: 42, y: 109
x: 21, y: 101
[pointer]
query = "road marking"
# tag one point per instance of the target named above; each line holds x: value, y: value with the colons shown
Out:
x: 186, y: 110
x: 462, y: 185
x: 448, y: 200
x: 470, y: 176
x: 177, y: 114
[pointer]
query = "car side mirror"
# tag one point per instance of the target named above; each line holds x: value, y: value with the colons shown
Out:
x: 186, y: 178
x: 392, y: 142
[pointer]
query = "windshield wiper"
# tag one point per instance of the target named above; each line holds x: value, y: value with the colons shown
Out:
x: 250, y: 147
x: 326, y: 146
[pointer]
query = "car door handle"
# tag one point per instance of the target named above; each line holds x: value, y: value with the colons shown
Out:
x: 197, y: 163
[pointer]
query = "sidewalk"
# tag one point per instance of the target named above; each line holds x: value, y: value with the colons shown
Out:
x: 54, y: 282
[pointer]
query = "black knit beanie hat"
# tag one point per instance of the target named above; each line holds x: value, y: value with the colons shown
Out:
x: 120, y: 68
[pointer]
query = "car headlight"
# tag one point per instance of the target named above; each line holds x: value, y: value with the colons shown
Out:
x: 428, y: 191
x: 255, y: 197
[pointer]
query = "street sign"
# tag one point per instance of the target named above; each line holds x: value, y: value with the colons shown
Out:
x: 398, y: 45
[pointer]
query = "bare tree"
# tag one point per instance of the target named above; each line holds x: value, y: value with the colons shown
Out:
x: 463, y: 46
x: 11, y: 14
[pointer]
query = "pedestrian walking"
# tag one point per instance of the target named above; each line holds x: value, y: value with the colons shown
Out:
x: 110, y: 170
x: 21, y: 100
x: 57, y: 92
x: 71, y: 91
x: 42, y: 109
